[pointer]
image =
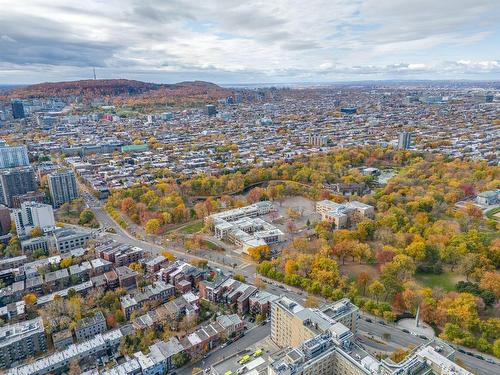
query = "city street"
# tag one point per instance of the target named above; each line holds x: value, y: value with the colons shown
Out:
x: 371, y: 333
x: 251, y: 338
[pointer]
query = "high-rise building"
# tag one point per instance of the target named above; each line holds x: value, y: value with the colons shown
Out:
x: 17, y: 109
x: 317, y: 140
x: 31, y: 215
x: 16, y: 181
x: 292, y: 324
x: 321, y: 341
x: 404, y: 141
x: 13, y: 156
x: 210, y: 110
x: 62, y: 187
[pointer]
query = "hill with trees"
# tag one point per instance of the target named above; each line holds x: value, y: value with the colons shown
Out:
x: 122, y: 92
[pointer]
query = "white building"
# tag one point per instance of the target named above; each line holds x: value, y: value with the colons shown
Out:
x: 344, y: 214
x: 33, y: 214
x: 242, y: 226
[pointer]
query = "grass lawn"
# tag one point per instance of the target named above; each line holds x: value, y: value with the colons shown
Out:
x: 353, y: 269
x: 192, y: 228
x: 446, y: 280
x: 212, y: 246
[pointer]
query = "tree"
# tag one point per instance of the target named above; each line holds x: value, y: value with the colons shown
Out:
x: 66, y: 262
x: 239, y: 277
x: 342, y: 249
x: 363, y: 280
x: 259, y: 283
x: 180, y: 359
x: 496, y: 348
x: 259, y: 253
x: 135, y: 266
x: 416, y: 250
x: 36, y: 232
x: 30, y: 299
x: 153, y: 226
x: 168, y: 255
x: 86, y: 217
x: 491, y: 281
x: 376, y: 289
x: 311, y: 301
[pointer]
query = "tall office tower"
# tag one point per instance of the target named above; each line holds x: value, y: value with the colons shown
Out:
x: 31, y: 215
x: 404, y: 141
x: 17, y: 109
x: 62, y: 187
x: 16, y: 181
x: 13, y: 156
x: 210, y: 110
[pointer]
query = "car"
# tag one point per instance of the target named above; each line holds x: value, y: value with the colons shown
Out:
x: 413, y: 333
x: 461, y: 350
x: 405, y: 330
x: 489, y: 360
x: 382, y: 322
x: 369, y: 320
x: 479, y: 356
x: 470, y: 353
x: 423, y: 337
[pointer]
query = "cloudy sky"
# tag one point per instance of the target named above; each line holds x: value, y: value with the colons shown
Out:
x: 228, y: 41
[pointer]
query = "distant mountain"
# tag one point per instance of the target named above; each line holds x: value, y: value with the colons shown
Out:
x: 122, y: 91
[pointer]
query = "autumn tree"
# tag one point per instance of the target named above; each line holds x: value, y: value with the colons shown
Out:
x: 36, y: 232
x: 259, y: 253
x: 376, y: 289
x: 153, y: 226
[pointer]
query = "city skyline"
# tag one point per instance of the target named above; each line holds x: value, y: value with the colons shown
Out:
x: 230, y: 43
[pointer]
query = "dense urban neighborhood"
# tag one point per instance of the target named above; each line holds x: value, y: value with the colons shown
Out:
x: 196, y: 229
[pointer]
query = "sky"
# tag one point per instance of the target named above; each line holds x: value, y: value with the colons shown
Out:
x: 228, y: 41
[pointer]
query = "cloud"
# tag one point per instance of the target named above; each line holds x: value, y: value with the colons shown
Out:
x: 282, y: 39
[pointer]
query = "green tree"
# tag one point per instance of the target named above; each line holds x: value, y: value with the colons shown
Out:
x: 180, y: 359
x: 86, y: 217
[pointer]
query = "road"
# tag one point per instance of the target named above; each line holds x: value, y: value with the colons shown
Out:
x: 251, y: 338
x: 367, y: 330
x: 400, y: 339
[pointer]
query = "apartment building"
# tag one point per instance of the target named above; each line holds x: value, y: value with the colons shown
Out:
x: 16, y: 181
x: 62, y: 187
x: 13, y: 156
x: 292, y: 324
x: 88, y: 327
x: 119, y: 254
x: 33, y: 214
x: 59, y: 361
x: 21, y: 340
x: 315, y: 342
x: 159, y: 291
x: 343, y: 215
